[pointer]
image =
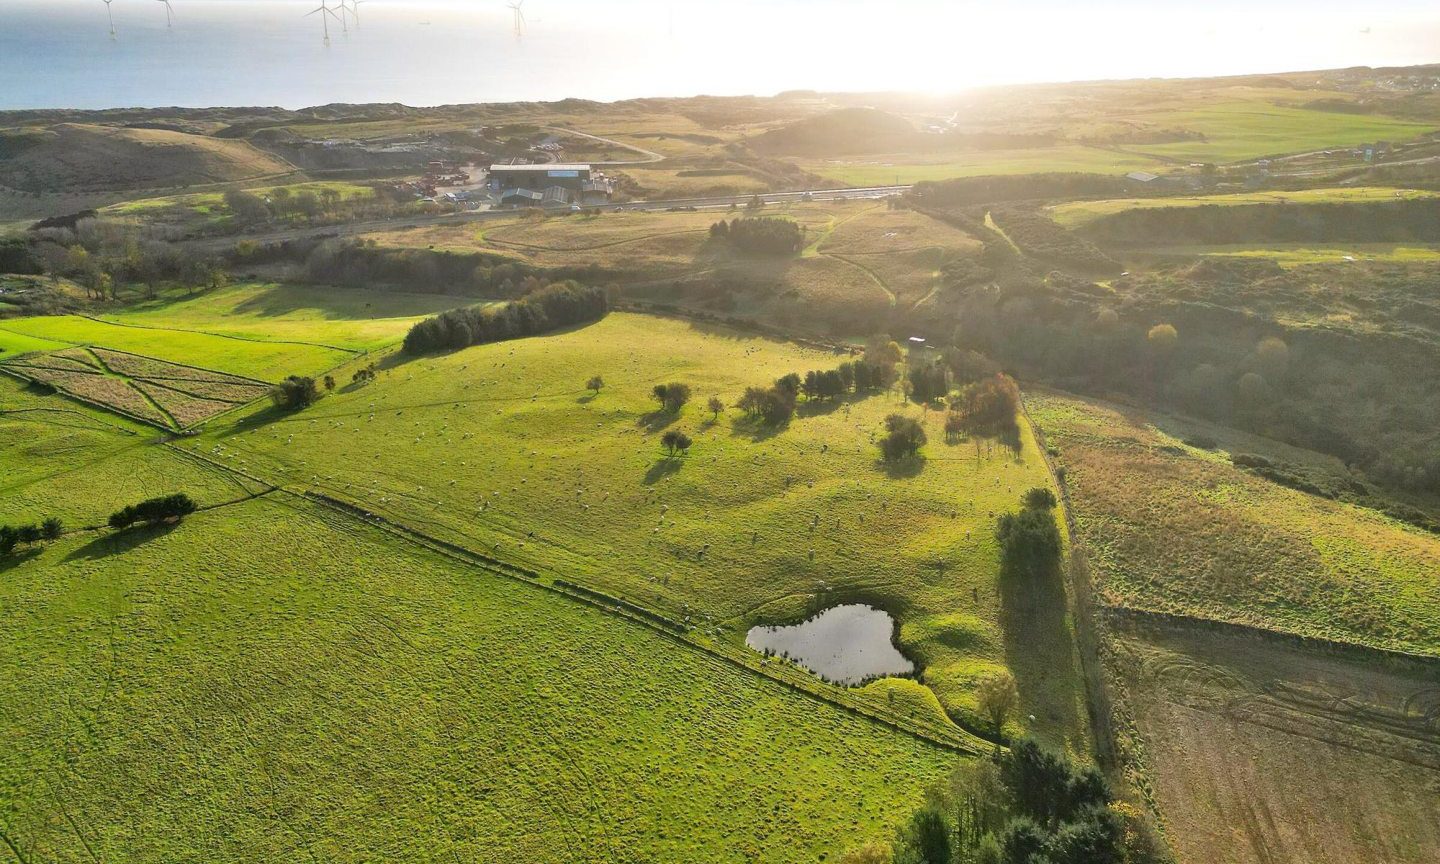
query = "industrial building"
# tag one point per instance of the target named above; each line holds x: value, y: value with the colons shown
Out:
x: 548, y: 185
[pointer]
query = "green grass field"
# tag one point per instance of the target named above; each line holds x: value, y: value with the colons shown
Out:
x: 1177, y: 529
x: 1250, y: 129
x: 912, y: 168
x: 276, y: 681
x: 13, y: 343
x: 1073, y: 214
x: 264, y: 359
x: 500, y: 448
x: 1300, y: 254
x: 59, y: 458
x: 347, y: 319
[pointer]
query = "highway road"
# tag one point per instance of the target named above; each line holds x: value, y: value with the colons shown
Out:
x: 373, y: 225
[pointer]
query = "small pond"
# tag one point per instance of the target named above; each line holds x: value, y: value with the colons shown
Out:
x: 845, y: 644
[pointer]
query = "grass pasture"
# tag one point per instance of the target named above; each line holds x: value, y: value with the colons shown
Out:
x: 141, y: 388
x: 1302, y: 254
x: 1174, y: 528
x: 500, y: 448
x: 59, y: 458
x: 249, y: 357
x: 341, y: 319
x: 1073, y: 214
x: 194, y: 694
x: 1255, y: 128
x: 885, y: 170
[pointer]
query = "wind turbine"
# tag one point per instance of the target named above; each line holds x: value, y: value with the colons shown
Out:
x: 324, y: 10
x: 354, y: 9
x: 111, y: 13
x: 345, y: 18
x: 519, y: 19
x: 169, y: 14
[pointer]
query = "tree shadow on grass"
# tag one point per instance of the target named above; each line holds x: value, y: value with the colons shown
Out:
x: 818, y: 407
x: 756, y: 429
x: 902, y: 469
x: 657, y: 420
x: 662, y: 469
x: 18, y: 557
x: 587, y: 398
x: 119, y: 542
x: 264, y: 417
x: 1040, y: 653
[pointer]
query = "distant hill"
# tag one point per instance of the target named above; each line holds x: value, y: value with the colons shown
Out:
x: 849, y: 130
x: 80, y: 157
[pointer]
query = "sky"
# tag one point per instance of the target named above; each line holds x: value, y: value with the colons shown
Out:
x: 58, y: 53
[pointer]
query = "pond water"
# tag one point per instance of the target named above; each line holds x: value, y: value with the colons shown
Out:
x: 846, y: 644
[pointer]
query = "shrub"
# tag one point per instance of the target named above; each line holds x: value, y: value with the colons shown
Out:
x: 1040, y: 498
x: 295, y: 392
x: 1029, y: 540
x: 52, y: 528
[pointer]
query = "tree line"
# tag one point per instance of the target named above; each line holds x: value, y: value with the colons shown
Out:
x: 153, y: 510
x: 1028, y: 805
x: 14, y: 536
x: 551, y: 307
x: 363, y: 263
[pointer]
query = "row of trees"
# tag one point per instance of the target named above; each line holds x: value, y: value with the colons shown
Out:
x: 554, y: 306
x: 761, y: 235
x: 13, y: 536
x: 101, y: 258
x: 1027, y: 806
x: 153, y: 510
x: 363, y: 263
x: 326, y: 204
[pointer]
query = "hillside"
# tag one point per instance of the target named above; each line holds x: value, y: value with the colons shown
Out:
x: 85, y: 158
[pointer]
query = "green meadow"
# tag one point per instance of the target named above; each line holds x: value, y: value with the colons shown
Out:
x: 263, y: 359
x: 1073, y: 214
x: 273, y: 680
x: 344, y: 319
x: 63, y: 459
x: 1175, y: 528
x: 501, y: 449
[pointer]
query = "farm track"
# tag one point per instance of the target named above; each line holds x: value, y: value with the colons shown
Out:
x: 953, y: 738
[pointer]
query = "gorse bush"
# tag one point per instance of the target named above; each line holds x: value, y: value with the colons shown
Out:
x: 153, y: 510
x: 549, y: 308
